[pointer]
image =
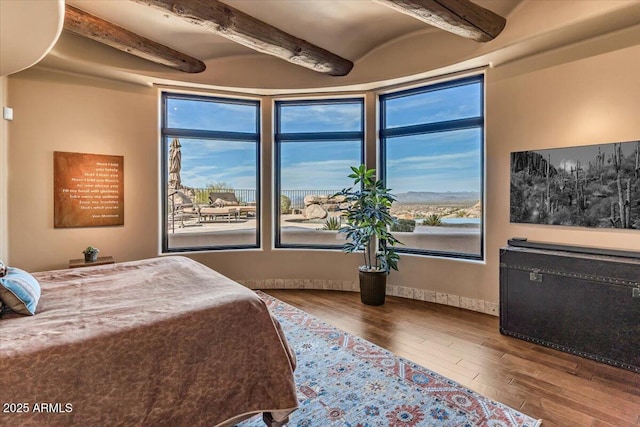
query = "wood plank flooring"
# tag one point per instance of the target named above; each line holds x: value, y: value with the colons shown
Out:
x: 467, y: 347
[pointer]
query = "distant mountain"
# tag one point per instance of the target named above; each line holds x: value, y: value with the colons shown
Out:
x: 437, y: 198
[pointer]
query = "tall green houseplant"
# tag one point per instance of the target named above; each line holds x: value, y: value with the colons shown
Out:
x: 368, y: 226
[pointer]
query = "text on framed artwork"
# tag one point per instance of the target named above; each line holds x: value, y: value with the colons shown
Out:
x: 88, y: 190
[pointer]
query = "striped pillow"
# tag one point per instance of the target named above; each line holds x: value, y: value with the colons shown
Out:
x: 20, y: 291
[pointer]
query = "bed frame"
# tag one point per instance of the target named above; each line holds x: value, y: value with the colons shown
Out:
x: 164, y: 341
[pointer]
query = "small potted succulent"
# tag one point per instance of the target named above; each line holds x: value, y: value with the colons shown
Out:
x: 91, y: 254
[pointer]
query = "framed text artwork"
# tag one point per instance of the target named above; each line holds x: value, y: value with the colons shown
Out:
x: 585, y: 186
x: 88, y: 190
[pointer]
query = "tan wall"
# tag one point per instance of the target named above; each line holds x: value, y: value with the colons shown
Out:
x: 59, y: 112
x: 543, y: 102
x: 593, y: 100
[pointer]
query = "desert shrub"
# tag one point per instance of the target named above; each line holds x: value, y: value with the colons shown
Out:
x: 520, y: 211
x: 433, y: 219
x: 285, y: 204
x: 202, y: 194
x: 404, y: 225
x: 332, y: 223
x: 561, y: 217
x: 590, y: 220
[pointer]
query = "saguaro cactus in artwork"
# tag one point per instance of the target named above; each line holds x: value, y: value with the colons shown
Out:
x: 623, y: 202
x: 627, y: 204
x: 637, y: 170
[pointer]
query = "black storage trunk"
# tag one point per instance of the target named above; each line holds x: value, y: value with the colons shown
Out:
x: 579, y: 300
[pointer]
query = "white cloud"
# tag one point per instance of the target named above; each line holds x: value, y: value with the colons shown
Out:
x: 197, y: 114
x: 440, y: 183
x: 239, y: 176
x: 567, y: 165
x: 320, y: 175
x: 449, y: 161
x: 335, y: 117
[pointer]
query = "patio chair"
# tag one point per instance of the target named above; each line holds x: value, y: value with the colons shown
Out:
x: 182, y: 208
x: 228, y: 199
x: 212, y: 213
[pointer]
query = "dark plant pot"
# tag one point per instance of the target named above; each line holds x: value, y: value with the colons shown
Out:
x: 90, y: 257
x: 373, y: 287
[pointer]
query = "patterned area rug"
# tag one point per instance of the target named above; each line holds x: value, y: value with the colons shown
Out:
x: 346, y: 381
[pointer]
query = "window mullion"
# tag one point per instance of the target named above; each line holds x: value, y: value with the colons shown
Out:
x: 209, y: 134
x: 433, y: 127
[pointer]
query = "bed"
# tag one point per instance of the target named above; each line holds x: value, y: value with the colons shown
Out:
x: 163, y: 342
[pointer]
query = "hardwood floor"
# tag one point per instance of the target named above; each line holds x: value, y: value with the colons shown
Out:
x: 467, y: 347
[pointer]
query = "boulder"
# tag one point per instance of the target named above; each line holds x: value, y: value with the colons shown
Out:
x: 407, y: 215
x: 339, y: 198
x: 311, y: 199
x: 315, y: 212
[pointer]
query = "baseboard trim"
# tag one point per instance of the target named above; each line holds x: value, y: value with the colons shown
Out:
x: 472, y: 304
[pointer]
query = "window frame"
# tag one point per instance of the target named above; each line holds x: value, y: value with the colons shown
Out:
x: 477, y: 122
x: 279, y: 138
x: 167, y: 133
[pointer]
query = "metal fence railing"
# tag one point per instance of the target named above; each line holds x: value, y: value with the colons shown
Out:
x: 243, y: 195
x: 296, y: 197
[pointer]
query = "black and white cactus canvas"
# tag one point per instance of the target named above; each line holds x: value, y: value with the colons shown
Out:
x: 586, y: 186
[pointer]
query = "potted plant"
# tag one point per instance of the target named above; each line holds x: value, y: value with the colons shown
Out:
x: 91, y: 254
x: 368, y: 231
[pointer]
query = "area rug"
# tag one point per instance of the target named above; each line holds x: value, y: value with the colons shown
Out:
x: 344, y: 380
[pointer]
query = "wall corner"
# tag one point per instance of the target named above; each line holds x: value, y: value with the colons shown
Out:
x: 4, y: 174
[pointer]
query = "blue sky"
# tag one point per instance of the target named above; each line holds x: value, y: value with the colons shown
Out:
x: 429, y: 107
x: 320, y: 165
x: 446, y: 161
x: 438, y: 162
x: 207, y: 162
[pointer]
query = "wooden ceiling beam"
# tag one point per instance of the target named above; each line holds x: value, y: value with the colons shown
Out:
x: 248, y: 31
x: 86, y: 25
x: 461, y: 17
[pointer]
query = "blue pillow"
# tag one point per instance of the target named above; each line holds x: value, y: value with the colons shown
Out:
x: 20, y: 291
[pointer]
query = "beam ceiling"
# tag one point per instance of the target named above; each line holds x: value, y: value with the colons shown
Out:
x: 86, y: 25
x: 246, y: 30
x: 461, y: 17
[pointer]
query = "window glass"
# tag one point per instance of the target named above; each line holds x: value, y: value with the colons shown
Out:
x: 210, y: 198
x: 206, y: 114
x: 314, y: 162
x: 448, y: 162
x: 433, y: 106
x: 321, y: 117
x: 436, y: 171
